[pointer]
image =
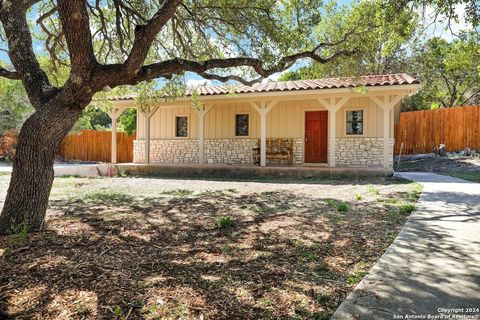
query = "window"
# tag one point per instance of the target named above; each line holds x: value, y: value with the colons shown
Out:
x: 181, y: 127
x: 355, y: 122
x: 241, y: 125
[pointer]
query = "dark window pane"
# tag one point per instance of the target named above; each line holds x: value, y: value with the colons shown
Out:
x: 355, y: 122
x: 241, y: 125
x: 181, y: 126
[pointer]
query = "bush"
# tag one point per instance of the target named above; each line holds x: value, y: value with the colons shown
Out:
x: 406, y: 208
x: 342, y: 207
x: 225, y: 222
x: 373, y: 190
x: 358, y: 196
x: 330, y: 202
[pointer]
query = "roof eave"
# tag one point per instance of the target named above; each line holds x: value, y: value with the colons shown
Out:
x: 409, y: 89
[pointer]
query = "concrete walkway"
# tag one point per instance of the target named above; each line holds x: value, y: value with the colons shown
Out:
x: 434, y: 264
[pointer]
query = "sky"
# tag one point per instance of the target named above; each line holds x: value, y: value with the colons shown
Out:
x: 437, y: 29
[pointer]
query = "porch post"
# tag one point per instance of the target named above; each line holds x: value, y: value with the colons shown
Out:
x: 387, y: 104
x: 332, y: 106
x: 147, y: 137
x: 263, y: 108
x: 201, y: 113
x: 114, y: 113
x: 147, y: 116
x: 114, y: 139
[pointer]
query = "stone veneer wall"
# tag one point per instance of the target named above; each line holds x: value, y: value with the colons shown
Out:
x: 231, y: 151
x: 167, y: 151
x: 359, y: 152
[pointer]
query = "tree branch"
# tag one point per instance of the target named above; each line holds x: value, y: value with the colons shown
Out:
x: 145, y: 35
x: 19, y: 39
x: 13, y: 75
x: 76, y: 28
x: 175, y: 66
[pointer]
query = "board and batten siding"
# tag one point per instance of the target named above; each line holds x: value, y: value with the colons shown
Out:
x: 286, y: 119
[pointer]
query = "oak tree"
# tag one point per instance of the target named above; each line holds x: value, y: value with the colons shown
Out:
x: 110, y: 43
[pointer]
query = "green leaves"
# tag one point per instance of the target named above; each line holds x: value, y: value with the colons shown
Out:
x: 14, y: 105
x: 381, y: 43
x: 449, y: 71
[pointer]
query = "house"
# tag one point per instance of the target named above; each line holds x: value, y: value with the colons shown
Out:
x: 336, y: 122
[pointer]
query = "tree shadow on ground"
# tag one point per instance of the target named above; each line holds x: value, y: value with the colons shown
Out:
x: 282, y: 256
x: 328, y: 179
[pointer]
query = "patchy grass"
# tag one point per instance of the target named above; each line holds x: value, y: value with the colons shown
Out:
x: 406, y: 208
x: 466, y: 168
x: 465, y: 175
x: 128, y: 248
x: 357, y: 273
x: 373, y: 190
x: 178, y: 193
x: 225, y: 222
x: 107, y: 196
x: 342, y: 207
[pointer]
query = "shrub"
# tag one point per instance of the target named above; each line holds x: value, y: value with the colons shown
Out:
x: 330, y: 202
x: 358, y: 196
x: 225, y: 222
x: 373, y: 190
x: 357, y: 274
x: 406, y: 208
x: 414, y: 194
x: 82, y: 309
x: 226, y: 249
x: 342, y: 207
x: 391, y: 236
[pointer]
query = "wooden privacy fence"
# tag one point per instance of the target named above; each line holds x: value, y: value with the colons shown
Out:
x: 91, y: 145
x: 421, y: 131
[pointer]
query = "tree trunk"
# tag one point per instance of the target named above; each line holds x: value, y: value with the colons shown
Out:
x: 32, y: 177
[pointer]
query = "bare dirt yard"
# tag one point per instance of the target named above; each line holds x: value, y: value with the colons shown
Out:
x: 462, y: 167
x: 151, y: 248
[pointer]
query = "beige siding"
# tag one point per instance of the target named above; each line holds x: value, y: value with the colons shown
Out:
x: 220, y: 120
x: 286, y: 119
x: 373, y: 118
x: 162, y: 123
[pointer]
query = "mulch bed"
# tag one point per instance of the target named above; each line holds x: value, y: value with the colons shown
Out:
x: 210, y: 255
x: 440, y: 164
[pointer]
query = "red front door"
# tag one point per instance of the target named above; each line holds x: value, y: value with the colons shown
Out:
x: 316, y: 139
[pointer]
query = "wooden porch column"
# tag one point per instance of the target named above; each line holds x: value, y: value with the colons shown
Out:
x: 332, y: 106
x: 201, y: 113
x: 387, y: 104
x: 114, y: 114
x: 147, y: 116
x: 263, y: 108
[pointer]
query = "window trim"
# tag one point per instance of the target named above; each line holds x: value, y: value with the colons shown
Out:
x: 364, y: 110
x: 235, y: 124
x: 175, y: 125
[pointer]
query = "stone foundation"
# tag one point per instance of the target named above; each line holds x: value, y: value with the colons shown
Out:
x: 167, y: 151
x: 355, y: 152
x: 359, y: 152
x: 231, y: 151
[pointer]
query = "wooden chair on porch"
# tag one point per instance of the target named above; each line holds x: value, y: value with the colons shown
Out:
x: 277, y: 149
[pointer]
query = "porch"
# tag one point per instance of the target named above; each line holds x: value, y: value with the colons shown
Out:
x: 335, y: 127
